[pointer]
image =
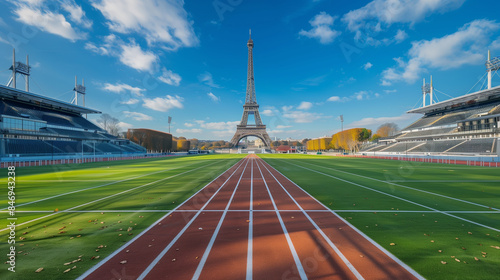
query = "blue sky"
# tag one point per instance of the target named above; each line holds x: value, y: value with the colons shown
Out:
x: 314, y: 60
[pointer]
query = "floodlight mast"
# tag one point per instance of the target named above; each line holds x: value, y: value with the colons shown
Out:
x: 492, y: 64
x: 19, y: 68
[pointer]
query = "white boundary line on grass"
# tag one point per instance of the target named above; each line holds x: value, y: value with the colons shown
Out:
x: 204, y: 258
x: 400, y: 198
x: 296, y: 258
x: 100, y: 186
x: 249, y: 273
x: 257, y: 210
x: 95, y: 267
x: 408, y: 268
x: 406, y: 187
x: 106, y: 197
x: 333, y: 246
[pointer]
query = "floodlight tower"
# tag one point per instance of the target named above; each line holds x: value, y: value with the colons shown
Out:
x: 492, y: 64
x: 426, y: 89
x: 79, y: 89
x: 19, y: 68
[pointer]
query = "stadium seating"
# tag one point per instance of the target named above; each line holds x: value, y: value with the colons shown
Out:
x: 480, y: 146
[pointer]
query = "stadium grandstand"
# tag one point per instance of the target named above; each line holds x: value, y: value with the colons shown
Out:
x: 465, y: 125
x: 32, y: 125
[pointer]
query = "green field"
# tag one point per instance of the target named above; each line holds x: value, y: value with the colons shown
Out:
x: 117, y: 201
x: 432, y: 213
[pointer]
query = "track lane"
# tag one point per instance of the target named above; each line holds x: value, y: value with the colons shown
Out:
x: 293, y: 236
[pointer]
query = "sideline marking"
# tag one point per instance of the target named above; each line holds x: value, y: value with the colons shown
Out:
x: 300, y: 268
x: 95, y: 267
x: 106, y: 197
x: 393, y: 257
x: 250, y: 231
x: 333, y: 246
x: 204, y: 258
x: 397, y: 197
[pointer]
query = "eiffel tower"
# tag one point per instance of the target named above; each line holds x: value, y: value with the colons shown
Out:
x: 251, y: 108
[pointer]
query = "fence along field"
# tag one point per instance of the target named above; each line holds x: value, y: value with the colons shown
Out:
x: 78, y: 214
x: 441, y: 220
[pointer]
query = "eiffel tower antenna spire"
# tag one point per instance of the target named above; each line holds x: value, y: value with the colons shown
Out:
x: 251, y: 108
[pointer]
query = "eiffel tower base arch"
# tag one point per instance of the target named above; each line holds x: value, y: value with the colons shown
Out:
x: 257, y: 131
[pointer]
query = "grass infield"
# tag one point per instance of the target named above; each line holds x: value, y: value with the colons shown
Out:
x: 442, y: 220
x: 118, y: 200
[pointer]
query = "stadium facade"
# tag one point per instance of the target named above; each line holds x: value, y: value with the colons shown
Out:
x: 465, y: 125
x: 32, y: 125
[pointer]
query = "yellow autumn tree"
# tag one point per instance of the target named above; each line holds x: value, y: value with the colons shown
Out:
x: 350, y: 139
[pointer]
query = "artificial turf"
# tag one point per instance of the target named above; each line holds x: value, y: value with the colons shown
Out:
x: 58, y: 240
x: 412, y: 206
x: 408, y: 204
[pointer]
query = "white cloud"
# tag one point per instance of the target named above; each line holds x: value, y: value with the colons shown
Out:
x: 466, y: 46
x: 130, y: 101
x: 170, y: 78
x: 124, y: 126
x: 267, y: 112
x: 133, y: 56
x: 130, y: 54
x: 193, y: 130
x: 396, y: 11
x: 76, y: 13
x: 337, y: 99
x: 321, y: 28
x: 360, y: 95
x: 188, y: 124
x: 120, y: 88
x: 400, y: 36
x: 367, y: 122
x: 301, y: 117
x: 163, y: 104
x: 367, y: 66
x: 305, y: 105
x: 208, y: 80
x: 137, y: 116
x: 283, y: 126
x: 32, y: 13
x: 230, y: 126
x: 163, y: 22
x: 213, y: 97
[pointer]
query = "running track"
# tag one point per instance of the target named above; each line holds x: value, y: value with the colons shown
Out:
x: 251, y: 223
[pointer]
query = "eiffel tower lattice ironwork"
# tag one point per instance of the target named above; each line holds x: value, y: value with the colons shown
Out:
x: 251, y: 108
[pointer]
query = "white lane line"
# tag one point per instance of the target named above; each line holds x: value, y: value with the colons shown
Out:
x: 296, y: 258
x: 95, y: 267
x: 394, y: 258
x: 250, y: 231
x: 106, y: 197
x: 204, y: 258
x: 406, y: 187
x: 100, y: 186
x: 333, y: 246
x: 400, y: 198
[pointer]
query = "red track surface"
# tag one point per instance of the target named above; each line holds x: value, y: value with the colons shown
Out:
x: 251, y: 206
